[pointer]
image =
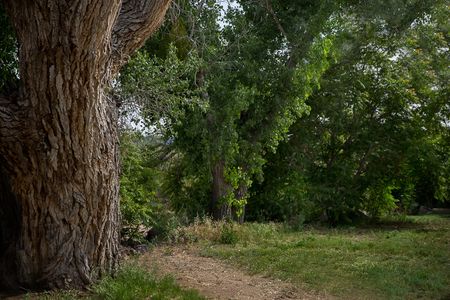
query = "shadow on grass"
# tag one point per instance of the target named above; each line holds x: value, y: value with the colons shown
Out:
x: 441, y: 215
x: 419, y: 223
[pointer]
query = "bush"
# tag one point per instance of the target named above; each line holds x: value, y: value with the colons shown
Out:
x: 139, y: 183
x: 228, y: 235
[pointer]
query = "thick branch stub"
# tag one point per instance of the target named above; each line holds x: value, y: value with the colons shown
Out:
x: 137, y: 20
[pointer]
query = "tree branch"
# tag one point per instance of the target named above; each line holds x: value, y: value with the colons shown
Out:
x: 137, y: 20
x: 276, y: 20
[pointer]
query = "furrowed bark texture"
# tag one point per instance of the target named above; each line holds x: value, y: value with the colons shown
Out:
x: 58, y: 139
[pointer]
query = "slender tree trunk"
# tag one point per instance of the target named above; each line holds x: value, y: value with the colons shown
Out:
x: 239, y: 194
x: 220, y: 189
x: 58, y: 139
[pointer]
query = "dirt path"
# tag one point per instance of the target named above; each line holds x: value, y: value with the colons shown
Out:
x: 216, y: 280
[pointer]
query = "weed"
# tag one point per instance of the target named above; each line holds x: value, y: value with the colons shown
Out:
x: 227, y: 235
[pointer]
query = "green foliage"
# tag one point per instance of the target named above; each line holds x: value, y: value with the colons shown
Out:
x: 156, y: 93
x: 8, y: 52
x: 357, y: 152
x: 379, y: 200
x: 166, y: 224
x: 255, y: 86
x: 160, y: 90
x: 286, y: 200
x: 138, y: 186
x: 297, y: 110
x: 228, y: 235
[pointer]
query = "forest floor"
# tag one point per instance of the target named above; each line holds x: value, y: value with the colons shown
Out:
x: 215, y: 279
x: 396, y: 258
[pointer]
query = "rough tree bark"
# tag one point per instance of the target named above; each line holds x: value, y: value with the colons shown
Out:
x: 59, y: 211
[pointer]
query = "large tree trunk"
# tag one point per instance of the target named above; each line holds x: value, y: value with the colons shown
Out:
x: 58, y: 139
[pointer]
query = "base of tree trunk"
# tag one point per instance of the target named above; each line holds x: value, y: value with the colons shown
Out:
x: 9, y: 233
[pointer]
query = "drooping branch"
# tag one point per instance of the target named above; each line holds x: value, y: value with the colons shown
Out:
x: 137, y: 20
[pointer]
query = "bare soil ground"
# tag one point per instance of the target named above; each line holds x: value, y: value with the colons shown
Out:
x: 217, y: 280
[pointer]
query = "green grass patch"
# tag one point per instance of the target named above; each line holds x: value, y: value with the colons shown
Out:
x: 395, y: 259
x: 130, y: 283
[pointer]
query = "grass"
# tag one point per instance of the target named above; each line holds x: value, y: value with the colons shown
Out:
x: 130, y: 283
x: 134, y: 283
x: 406, y: 259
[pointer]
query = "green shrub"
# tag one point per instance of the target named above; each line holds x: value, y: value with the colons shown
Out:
x: 228, y: 235
x: 165, y: 225
x: 138, y: 185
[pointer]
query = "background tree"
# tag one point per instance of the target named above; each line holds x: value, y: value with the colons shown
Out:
x: 362, y: 148
x: 255, y: 73
x: 246, y: 80
x: 154, y: 94
x: 58, y: 138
